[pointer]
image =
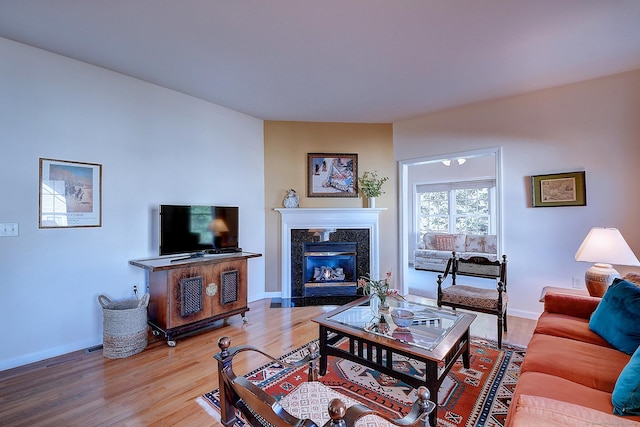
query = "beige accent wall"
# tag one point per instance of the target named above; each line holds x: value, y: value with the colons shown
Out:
x: 286, y: 145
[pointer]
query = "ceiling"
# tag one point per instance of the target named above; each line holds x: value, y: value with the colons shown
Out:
x: 338, y: 60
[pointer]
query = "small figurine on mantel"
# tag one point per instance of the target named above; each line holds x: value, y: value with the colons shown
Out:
x: 292, y: 199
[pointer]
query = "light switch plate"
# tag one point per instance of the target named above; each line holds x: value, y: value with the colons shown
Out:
x: 9, y: 229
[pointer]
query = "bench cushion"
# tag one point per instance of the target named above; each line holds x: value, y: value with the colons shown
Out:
x: 311, y: 399
x: 471, y: 296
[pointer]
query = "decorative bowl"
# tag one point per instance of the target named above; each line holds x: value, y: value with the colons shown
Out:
x: 402, y: 318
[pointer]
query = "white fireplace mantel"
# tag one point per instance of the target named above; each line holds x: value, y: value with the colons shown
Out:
x: 309, y: 218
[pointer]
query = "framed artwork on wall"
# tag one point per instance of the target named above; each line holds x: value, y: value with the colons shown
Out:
x: 560, y: 189
x: 332, y: 175
x: 70, y: 194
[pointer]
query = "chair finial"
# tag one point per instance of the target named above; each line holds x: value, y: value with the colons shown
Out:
x: 423, y: 397
x: 313, y: 348
x: 224, y: 343
x: 337, y: 410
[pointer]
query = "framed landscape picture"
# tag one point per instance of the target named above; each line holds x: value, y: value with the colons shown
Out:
x: 332, y: 175
x: 70, y: 194
x: 560, y: 189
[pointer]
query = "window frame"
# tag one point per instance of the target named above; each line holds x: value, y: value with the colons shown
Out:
x: 451, y: 187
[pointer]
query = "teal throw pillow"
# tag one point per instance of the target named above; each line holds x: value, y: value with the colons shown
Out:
x: 617, y: 317
x: 626, y: 394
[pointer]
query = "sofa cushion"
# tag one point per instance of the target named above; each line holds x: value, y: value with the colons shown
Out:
x: 429, y: 240
x: 571, y: 305
x: 553, y: 387
x: 617, y: 317
x: 565, y: 326
x: 542, y: 411
x: 481, y: 243
x: 591, y: 365
x: 445, y: 242
x: 626, y: 394
x: 460, y: 242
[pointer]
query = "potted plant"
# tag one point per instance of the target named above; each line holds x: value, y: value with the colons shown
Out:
x: 380, y: 290
x: 371, y: 186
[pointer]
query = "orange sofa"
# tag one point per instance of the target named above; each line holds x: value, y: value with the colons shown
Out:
x: 569, y: 372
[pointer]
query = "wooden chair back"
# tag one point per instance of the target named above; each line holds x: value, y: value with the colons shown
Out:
x: 478, y: 266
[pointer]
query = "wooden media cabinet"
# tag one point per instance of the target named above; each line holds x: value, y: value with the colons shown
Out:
x: 188, y: 295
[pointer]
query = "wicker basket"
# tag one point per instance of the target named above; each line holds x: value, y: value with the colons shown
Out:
x: 124, y: 326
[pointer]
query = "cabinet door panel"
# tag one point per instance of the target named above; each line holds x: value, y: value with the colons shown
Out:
x: 232, y: 285
x: 189, y: 302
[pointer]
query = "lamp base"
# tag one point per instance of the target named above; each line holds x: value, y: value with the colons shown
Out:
x: 598, y: 278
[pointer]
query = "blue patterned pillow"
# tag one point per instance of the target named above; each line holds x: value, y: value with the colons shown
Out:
x: 617, y: 317
x: 626, y: 394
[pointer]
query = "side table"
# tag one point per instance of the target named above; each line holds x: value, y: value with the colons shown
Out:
x: 570, y: 291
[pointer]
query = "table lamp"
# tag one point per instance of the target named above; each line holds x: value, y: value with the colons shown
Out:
x: 604, y: 246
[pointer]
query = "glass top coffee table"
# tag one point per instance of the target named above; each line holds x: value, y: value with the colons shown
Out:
x: 435, y: 337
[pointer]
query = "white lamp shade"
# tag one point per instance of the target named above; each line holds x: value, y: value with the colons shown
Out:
x: 607, y: 246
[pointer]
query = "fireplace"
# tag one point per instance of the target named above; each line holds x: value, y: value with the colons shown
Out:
x: 345, y: 225
x: 329, y: 268
x: 353, y: 246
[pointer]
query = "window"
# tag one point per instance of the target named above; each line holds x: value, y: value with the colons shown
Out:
x: 456, y: 207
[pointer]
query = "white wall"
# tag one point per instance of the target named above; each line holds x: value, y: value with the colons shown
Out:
x: 155, y: 146
x: 592, y: 126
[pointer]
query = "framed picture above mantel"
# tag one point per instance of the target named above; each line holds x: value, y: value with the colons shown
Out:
x: 332, y: 175
x: 560, y: 189
x: 70, y: 194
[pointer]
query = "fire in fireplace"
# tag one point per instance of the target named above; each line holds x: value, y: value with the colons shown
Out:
x: 329, y: 268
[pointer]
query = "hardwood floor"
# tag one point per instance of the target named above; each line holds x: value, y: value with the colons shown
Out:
x: 162, y: 385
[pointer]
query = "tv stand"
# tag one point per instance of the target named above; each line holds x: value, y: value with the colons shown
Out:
x: 187, y: 295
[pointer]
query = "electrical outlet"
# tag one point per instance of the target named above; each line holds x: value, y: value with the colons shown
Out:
x: 576, y: 283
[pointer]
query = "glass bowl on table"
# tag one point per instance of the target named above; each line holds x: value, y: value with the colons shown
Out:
x: 402, y: 318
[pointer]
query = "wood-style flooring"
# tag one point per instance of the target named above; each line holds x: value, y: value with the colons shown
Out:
x: 162, y: 386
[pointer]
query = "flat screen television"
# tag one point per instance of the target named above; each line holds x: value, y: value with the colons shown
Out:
x: 189, y: 229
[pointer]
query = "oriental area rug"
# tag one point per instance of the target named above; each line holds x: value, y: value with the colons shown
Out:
x: 478, y: 396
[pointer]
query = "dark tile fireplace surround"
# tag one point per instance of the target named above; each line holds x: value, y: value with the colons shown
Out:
x: 336, y: 253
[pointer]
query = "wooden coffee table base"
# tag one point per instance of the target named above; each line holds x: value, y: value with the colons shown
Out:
x: 377, y: 353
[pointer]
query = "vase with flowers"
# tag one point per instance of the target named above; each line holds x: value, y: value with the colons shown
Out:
x: 370, y: 186
x: 378, y: 290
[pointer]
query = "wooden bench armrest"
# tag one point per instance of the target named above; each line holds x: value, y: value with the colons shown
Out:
x: 418, y: 416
